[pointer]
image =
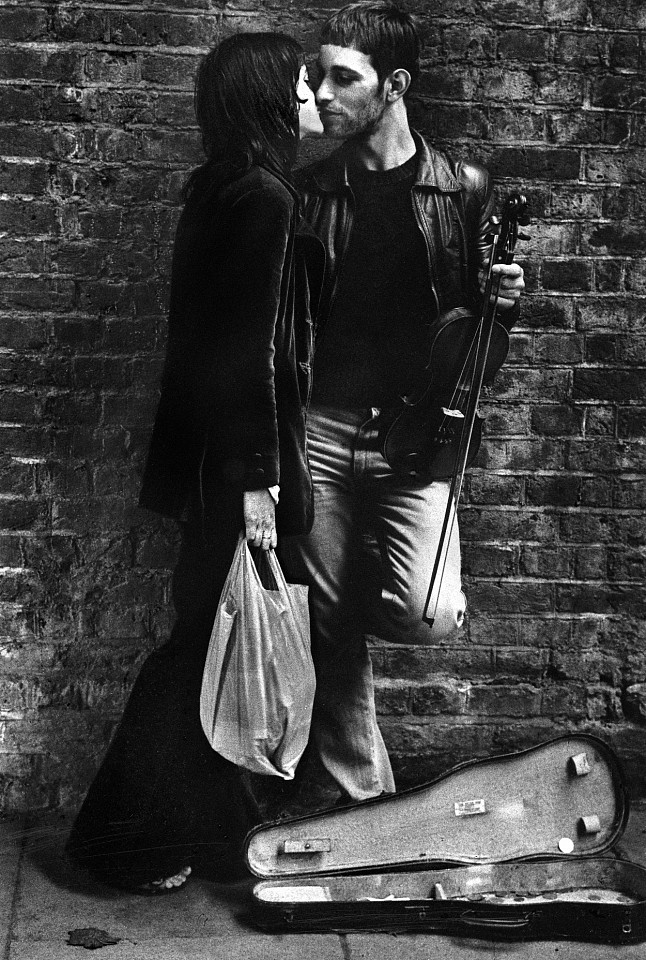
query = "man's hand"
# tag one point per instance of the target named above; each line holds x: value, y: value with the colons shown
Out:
x: 511, y: 285
x: 260, y: 518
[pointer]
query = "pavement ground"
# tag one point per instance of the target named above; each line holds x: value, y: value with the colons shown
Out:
x: 43, y: 898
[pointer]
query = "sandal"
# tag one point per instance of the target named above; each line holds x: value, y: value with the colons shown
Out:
x: 165, y: 884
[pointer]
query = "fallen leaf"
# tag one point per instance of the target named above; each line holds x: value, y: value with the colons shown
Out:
x: 91, y: 938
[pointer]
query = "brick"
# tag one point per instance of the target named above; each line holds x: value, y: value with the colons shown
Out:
x: 624, y: 166
x: 530, y: 45
x: 591, y: 563
x: 566, y: 11
x: 25, y: 63
x: 626, y: 14
x: 169, y: 70
x: 466, y: 45
x: 561, y: 490
x: 536, y: 163
x: 559, y: 348
x: 567, y: 201
x: 564, y: 700
x: 635, y: 279
x: 29, y: 217
x: 450, y: 83
x: 520, y: 662
x: 485, y: 488
x: 441, y: 697
x: 631, y: 350
x: 37, y: 293
x: 616, y: 314
x: 625, y: 51
x: 594, y: 455
x: 576, y: 127
x: 545, y: 561
x: 581, y: 50
x: 506, y: 525
x: 541, y: 312
x: 151, y: 29
x: 489, y: 560
x: 617, y: 202
x: 456, y: 120
x: 608, y: 276
x: 21, y: 177
x: 557, y: 420
x: 505, y: 701
x: 635, y: 702
x: 631, y: 422
x: 604, y: 384
x: 623, y: 92
x: 514, y: 597
x: 571, y: 276
x: 23, y: 256
x: 596, y: 492
x: 615, y: 239
x: 23, y: 333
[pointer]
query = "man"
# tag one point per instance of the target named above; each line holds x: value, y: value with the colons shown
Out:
x: 405, y: 231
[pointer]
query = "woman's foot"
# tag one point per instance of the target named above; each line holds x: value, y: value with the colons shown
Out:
x: 167, y: 884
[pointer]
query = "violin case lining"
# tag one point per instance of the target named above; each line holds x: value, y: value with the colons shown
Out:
x: 510, y: 848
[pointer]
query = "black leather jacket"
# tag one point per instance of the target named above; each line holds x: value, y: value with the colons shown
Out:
x: 453, y: 204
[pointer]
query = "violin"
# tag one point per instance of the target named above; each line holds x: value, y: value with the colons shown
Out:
x: 422, y: 439
x: 438, y: 434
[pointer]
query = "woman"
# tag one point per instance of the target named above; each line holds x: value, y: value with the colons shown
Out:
x: 227, y: 454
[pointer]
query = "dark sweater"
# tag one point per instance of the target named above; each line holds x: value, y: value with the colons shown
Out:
x: 376, y: 339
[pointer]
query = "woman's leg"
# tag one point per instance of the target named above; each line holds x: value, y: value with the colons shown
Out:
x: 163, y: 799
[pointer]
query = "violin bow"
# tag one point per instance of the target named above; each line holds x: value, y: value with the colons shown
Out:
x: 504, y: 239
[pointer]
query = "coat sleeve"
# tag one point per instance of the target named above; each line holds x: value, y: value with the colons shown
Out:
x: 237, y: 381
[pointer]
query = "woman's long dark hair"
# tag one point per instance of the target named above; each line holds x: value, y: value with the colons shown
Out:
x: 246, y: 107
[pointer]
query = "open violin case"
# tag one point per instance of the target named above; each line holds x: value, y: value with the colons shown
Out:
x: 517, y: 847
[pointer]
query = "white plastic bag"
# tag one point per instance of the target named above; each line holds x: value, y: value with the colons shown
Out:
x: 258, y: 682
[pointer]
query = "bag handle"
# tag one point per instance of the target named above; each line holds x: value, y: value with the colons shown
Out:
x: 265, y: 568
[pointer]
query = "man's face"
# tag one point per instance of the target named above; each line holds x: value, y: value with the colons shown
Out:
x: 349, y: 98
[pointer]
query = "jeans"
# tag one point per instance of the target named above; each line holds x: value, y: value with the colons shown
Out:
x: 354, y: 485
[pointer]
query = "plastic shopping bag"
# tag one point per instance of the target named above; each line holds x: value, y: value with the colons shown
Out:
x: 258, y: 682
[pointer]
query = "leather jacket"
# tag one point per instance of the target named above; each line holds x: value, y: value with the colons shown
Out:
x: 453, y: 203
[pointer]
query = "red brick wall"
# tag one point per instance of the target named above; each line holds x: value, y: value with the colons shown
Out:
x: 96, y: 136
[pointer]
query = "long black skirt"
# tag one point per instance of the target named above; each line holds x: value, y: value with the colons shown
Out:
x: 162, y: 798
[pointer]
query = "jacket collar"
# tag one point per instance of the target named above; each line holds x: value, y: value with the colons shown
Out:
x: 433, y: 170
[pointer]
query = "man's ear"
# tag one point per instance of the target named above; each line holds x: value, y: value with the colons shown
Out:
x: 397, y: 84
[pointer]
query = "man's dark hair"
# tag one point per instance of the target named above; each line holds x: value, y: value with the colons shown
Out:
x: 247, y: 107
x: 380, y: 29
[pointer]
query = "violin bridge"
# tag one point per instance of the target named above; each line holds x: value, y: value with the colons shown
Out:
x: 452, y: 413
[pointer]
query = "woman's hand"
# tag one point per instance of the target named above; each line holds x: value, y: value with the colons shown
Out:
x: 260, y: 518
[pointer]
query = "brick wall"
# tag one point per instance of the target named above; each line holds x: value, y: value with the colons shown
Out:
x: 96, y: 136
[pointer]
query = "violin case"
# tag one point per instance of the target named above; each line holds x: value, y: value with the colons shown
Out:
x: 517, y: 847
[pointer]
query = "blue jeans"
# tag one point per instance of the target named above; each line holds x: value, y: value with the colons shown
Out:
x: 353, y: 485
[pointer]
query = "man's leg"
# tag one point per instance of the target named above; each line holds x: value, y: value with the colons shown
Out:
x: 344, y: 723
x: 408, y: 516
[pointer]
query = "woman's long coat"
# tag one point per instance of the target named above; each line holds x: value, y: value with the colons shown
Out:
x: 237, y: 375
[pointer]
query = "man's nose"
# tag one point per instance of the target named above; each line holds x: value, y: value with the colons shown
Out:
x: 324, y: 93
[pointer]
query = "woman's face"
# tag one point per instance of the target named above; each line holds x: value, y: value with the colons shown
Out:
x: 308, y: 116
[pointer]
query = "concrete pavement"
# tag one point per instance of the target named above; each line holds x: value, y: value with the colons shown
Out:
x: 42, y: 899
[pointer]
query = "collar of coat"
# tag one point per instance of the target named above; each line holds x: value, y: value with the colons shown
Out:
x: 433, y: 171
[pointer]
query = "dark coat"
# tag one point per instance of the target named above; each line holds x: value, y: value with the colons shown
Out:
x: 236, y: 380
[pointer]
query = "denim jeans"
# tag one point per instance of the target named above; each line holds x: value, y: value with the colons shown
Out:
x: 354, y: 485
